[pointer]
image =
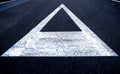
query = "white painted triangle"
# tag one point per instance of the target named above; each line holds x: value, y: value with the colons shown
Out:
x: 78, y: 43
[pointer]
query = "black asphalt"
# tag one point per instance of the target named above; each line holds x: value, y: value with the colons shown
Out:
x: 101, y: 16
x: 60, y: 22
x: 6, y: 4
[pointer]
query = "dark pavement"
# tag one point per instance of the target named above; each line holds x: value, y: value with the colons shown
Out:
x: 101, y: 16
x: 65, y: 24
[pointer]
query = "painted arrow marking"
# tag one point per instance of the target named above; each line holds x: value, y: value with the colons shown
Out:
x: 78, y: 43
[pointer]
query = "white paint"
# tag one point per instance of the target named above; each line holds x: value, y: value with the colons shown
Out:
x: 6, y: 1
x: 78, y: 43
x: 116, y: 1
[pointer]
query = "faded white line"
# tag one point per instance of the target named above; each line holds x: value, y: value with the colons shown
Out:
x: 6, y: 2
x: 83, y: 43
x: 116, y: 1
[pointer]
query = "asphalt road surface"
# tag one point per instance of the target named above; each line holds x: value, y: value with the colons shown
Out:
x: 101, y: 16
